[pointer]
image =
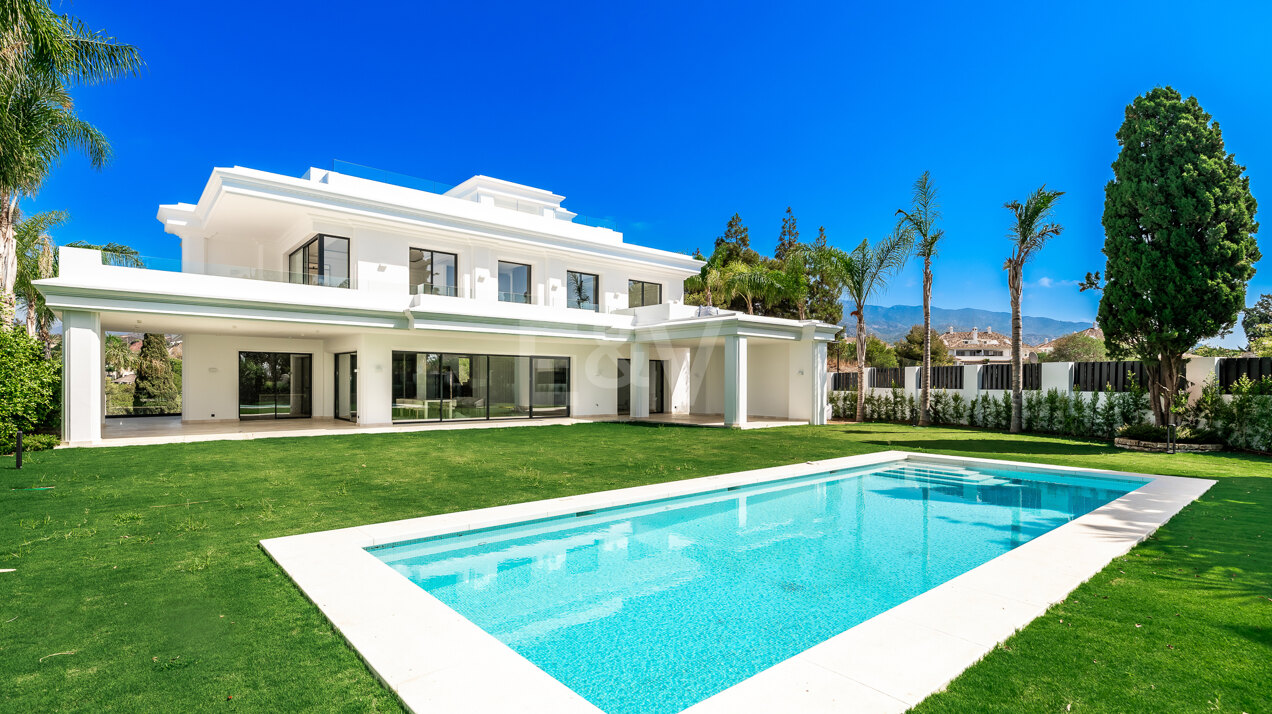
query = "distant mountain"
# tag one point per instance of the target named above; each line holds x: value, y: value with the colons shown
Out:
x: 892, y: 323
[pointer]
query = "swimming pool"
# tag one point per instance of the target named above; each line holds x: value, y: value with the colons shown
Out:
x: 653, y: 607
x: 653, y: 597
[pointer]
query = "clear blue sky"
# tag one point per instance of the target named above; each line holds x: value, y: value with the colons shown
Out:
x: 669, y: 117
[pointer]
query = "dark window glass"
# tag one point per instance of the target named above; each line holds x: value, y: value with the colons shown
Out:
x: 641, y: 293
x: 432, y: 272
x: 275, y: 385
x: 431, y: 386
x: 322, y: 261
x: 514, y: 282
x: 581, y: 291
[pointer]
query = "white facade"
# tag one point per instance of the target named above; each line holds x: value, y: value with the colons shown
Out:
x: 510, y: 261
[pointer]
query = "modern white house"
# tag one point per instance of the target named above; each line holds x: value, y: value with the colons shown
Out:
x: 332, y: 296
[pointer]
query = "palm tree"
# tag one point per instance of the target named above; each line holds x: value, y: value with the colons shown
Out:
x: 712, y: 280
x: 863, y: 273
x: 750, y: 282
x: 36, y: 259
x: 1031, y: 227
x: 43, y: 54
x: 921, y: 219
x: 118, y: 356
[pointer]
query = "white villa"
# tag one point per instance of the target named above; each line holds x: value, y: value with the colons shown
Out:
x: 333, y: 297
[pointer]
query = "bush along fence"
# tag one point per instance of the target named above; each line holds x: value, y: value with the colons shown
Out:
x: 1229, y: 401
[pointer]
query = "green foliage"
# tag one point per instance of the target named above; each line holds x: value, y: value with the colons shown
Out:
x: 735, y: 245
x: 879, y: 354
x: 1211, y: 351
x: 30, y: 387
x: 788, y: 238
x: 910, y: 348
x: 158, y: 388
x: 1076, y: 348
x: 1256, y: 320
x: 1179, y: 226
x: 1244, y: 421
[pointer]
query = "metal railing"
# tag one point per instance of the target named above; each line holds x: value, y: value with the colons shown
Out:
x: 523, y: 298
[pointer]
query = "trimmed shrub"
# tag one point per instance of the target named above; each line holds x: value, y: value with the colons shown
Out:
x: 30, y: 388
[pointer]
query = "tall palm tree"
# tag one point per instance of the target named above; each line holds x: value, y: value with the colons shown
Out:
x: 921, y: 219
x: 1031, y: 227
x: 42, y: 55
x: 863, y: 273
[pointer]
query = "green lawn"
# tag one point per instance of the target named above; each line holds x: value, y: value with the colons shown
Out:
x: 139, y: 584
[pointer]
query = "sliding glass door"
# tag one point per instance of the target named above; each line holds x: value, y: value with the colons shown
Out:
x: 657, y: 386
x: 346, y: 392
x: 430, y: 386
x: 275, y: 385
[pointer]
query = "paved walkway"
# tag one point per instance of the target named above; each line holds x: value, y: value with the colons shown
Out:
x: 134, y: 431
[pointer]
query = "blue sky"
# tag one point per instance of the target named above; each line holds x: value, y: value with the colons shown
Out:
x: 669, y: 117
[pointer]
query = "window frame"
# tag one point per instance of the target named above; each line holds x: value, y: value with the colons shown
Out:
x: 451, y: 290
x: 318, y: 241
x: 529, y: 294
x: 596, y: 290
x: 644, y: 284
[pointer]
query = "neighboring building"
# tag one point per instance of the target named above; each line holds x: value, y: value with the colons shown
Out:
x: 336, y: 296
x: 1093, y: 331
x: 976, y: 347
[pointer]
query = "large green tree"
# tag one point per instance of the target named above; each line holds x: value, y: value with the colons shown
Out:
x: 43, y: 55
x: 156, y: 386
x: 788, y: 238
x: 913, y: 347
x: 825, y: 296
x: 879, y: 353
x: 1031, y: 227
x: 1076, y: 348
x: 1257, y: 319
x: 921, y: 220
x: 1179, y: 238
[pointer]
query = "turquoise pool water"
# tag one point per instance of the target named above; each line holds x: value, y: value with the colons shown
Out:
x: 651, y: 608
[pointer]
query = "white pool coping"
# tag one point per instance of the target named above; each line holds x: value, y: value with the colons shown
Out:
x: 436, y: 660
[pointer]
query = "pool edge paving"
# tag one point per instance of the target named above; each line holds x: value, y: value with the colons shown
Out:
x: 435, y: 659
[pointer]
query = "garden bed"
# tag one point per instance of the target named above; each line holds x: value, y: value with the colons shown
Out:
x: 1161, y: 446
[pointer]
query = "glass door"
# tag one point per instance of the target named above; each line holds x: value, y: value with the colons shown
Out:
x: 346, y: 386
x: 624, y: 386
x: 657, y: 383
x: 275, y: 385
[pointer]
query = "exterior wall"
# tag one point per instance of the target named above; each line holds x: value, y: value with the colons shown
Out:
x: 706, y: 380
x: 768, y: 380
x: 209, y: 385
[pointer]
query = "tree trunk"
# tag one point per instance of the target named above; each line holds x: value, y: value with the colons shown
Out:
x: 8, y: 260
x: 925, y: 372
x: 1015, y: 276
x: 1163, y: 383
x: 30, y: 319
x: 861, y: 363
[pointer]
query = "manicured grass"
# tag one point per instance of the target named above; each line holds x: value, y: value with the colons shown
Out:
x: 139, y: 584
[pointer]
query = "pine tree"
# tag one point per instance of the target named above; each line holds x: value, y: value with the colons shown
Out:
x: 824, y: 296
x: 788, y: 239
x: 735, y: 244
x: 1179, y: 238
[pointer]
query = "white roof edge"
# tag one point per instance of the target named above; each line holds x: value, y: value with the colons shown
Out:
x: 690, y: 264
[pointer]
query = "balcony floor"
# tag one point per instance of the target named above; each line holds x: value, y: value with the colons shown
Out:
x: 136, y: 431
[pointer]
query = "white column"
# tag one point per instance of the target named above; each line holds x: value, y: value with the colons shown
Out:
x: 821, y: 406
x: 82, y: 368
x: 375, y: 382
x: 640, y: 381
x: 735, y: 376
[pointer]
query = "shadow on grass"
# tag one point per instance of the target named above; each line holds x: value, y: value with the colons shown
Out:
x: 995, y: 446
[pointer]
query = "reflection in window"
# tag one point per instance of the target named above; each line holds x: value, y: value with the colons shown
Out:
x: 641, y: 293
x: 432, y: 272
x: 430, y: 386
x: 514, y: 282
x: 324, y: 260
x: 580, y: 291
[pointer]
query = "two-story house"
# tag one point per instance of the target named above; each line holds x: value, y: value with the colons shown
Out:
x: 332, y: 296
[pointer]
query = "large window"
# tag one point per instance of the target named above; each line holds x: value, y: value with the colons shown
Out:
x: 581, y: 291
x: 432, y: 272
x: 431, y: 386
x: 275, y: 385
x: 514, y: 282
x: 641, y: 293
x: 324, y: 260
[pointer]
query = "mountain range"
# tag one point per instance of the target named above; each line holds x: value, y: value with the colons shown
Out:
x: 892, y: 323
